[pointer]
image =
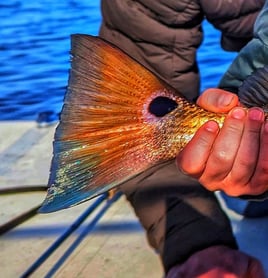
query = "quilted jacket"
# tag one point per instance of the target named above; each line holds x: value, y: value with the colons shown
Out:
x: 179, y: 215
x: 164, y: 35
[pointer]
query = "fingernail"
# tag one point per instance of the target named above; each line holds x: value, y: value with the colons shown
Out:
x: 225, y: 99
x: 212, y: 126
x: 255, y: 114
x: 238, y: 113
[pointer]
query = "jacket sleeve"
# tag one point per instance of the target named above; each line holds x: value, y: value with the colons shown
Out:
x: 253, y: 56
x: 235, y: 20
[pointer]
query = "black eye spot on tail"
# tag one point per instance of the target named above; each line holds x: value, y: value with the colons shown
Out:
x: 160, y: 106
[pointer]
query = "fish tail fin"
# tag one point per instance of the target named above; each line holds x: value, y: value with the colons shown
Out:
x: 106, y: 134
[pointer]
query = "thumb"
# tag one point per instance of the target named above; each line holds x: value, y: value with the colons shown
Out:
x: 217, y: 100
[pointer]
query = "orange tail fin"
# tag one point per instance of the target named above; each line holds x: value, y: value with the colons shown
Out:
x: 105, y: 135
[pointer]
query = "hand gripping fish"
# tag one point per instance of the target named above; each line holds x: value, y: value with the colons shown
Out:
x: 117, y: 121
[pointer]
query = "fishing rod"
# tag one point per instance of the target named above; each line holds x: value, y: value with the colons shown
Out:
x: 69, y: 231
x: 25, y: 215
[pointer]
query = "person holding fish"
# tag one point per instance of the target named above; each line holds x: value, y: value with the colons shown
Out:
x: 247, y: 77
x: 123, y: 126
x: 197, y: 157
x: 165, y: 41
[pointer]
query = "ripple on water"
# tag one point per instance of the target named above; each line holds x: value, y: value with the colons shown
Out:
x: 34, y: 53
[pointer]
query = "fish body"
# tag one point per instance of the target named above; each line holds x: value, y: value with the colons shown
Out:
x: 117, y: 121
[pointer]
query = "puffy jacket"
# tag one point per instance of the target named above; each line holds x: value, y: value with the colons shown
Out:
x: 179, y: 215
x: 253, y: 56
x: 164, y: 35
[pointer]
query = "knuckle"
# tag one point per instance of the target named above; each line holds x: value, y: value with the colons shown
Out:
x: 191, y: 170
x: 208, y: 184
x: 231, y: 192
x: 257, y: 190
x: 247, y: 163
x: 264, y: 170
x: 254, y: 130
x: 235, y: 128
x: 221, y: 157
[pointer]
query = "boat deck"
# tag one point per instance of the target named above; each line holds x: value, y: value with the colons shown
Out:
x: 115, y: 247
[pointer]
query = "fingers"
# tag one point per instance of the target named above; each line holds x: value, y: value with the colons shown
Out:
x: 248, y: 152
x: 192, y: 159
x: 217, y: 100
x: 225, y: 148
x: 260, y: 176
x: 234, y: 159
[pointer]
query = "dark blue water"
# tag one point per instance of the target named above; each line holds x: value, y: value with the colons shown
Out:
x: 34, y: 53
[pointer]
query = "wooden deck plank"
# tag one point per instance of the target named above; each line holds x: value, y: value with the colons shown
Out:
x: 107, y: 249
x: 15, y: 202
x: 10, y: 131
x: 114, y: 250
x: 26, y: 157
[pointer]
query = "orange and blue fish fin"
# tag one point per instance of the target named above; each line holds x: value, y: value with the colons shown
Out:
x: 106, y: 134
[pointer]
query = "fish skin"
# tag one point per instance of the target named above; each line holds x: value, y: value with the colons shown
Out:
x: 107, y: 132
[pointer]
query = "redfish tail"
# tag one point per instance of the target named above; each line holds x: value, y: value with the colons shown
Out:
x: 105, y: 134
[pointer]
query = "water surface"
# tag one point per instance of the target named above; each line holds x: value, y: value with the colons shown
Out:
x: 34, y: 53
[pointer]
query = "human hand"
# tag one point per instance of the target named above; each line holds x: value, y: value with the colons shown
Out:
x: 233, y: 159
x: 218, y: 261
